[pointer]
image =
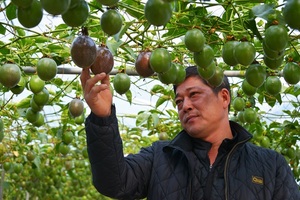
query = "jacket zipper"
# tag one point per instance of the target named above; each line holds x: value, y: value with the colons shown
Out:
x: 227, y: 163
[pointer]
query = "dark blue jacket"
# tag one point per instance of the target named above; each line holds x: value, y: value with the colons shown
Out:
x: 179, y: 169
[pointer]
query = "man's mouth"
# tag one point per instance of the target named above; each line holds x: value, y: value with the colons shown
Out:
x: 188, y: 118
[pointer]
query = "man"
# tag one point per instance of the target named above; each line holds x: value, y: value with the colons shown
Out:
x: 210, y: 158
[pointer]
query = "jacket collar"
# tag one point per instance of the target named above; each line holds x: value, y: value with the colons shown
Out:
x: 184, y: 141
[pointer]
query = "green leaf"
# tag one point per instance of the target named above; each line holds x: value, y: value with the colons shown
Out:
x: 2, y: 29
x: 24, y: 103
x: 155, y: 119
x: 263, y: 10
x: 128, y: 95
x: 157, y: 89
x: 161, y: 100
x: 142, y: 118
x: 11, y: 12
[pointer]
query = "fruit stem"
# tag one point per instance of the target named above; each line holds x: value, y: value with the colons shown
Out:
x: 84, y: 31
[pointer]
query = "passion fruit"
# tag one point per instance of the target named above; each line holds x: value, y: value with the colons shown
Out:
x: 10, y: 75
x: 83, y: 51
x: 168, y: 76
x: 271, y: 53
x: 158, y: 12
x: 108, y: 2
x: 255, y: 75
x: 227, y: 53
x: 276, y: 37
x: 217, y: 79
x: 273, y: 85
x: 244, y: 53
x: 291, y: 13
x: 248, y: 89
x: 56, y: 7
x: 104, y: 61
x: 291, y: 73
x: 36, y: 84
x: 207, y: 72
x: 181, y: 73
x: 160, y: 60
x: 194, y: 40
x: 273, y: 63
x: 31, y: 16
x: 111, y: 22
x: 121, y: 83
x: 22, y: 3
x: 19, y: 88
x: 76, y: 107
x: 46, y: 69
x: 77, y: 13
x: 205, y: 57
x: 142, y: 64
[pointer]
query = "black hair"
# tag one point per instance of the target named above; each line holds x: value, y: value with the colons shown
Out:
x: 193, y: 71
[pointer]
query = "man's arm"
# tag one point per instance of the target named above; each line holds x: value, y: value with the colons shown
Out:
x: 113, y: 175
x: 285, y: 186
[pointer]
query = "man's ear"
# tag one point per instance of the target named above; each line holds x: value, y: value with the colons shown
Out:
x: 225, y: 95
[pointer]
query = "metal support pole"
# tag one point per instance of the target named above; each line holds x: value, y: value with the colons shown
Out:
x: 76, y: 70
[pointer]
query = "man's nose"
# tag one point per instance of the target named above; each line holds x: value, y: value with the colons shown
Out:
x: 187, y: 105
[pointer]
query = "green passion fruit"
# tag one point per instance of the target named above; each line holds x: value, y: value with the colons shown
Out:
x: 76, y: 107
x: 160, y: 60
x: 83, y: 51
x: 273, y: 63
x: 181, y: 73
x: 168, y: 76
x: 77, y: 13
x: 142, y: 64
x: 255, y: 75
x: 121, y: 83
x: 249, y: 115
x: 56, y: 7
x: 248, y: 89
x: 158, y: 12
x: 205, y: 57
x: 271, y: 53
x: 31, y: 116
x: 194, y: 40
x: 46, y: 69
x: 36, y: 84
x: 42, y: 97
x: 238, y: 104
x: 291, y: 13
x: 31, y: 16
x: 217, y: 79
x: 19, y: 88
x: 244, y: 53
x: 108, y: 2
x: 273, y: 85
x: 207, y: 72
x: 10, y: 75
x: 111, y: 22
x: 276, y: 37
x: 227, y: 53
x: 291, y: 73
x: 22, y: 3
x: 104, y: 61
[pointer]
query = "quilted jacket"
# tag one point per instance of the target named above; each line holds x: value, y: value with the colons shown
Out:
x: 179, y: 169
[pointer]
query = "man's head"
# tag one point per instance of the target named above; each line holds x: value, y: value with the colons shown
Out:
x: 192, y: 71
x: 202, y: 109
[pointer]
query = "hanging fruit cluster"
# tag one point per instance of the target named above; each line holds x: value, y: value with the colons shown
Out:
x: 30, y: 12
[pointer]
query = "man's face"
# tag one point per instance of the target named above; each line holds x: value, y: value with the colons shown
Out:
x: 201, y: 111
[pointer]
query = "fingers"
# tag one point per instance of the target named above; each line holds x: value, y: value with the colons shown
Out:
x: 89, y: 83
x: 85, y: 75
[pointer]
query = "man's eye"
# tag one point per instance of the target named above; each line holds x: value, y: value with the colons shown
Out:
x: 178, y: 101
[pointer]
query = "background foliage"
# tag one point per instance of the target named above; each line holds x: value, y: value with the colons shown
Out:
x: 53, y: 175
